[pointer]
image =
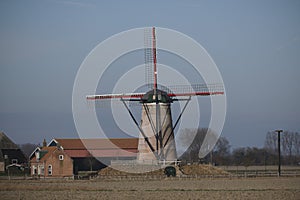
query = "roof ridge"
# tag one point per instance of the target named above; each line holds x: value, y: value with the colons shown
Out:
x: 6, y: 142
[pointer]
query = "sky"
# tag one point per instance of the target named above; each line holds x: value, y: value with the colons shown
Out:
x: 255, y: 45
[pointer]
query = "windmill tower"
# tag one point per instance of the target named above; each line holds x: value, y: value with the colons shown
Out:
x: 156, y: 139
x: 157, y: 118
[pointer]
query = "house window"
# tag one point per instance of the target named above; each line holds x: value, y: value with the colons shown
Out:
x: 34, y: 170
x: 14, y: 161
x: 61, y: 157
x: 50, y: 170
x: 41, y: 170
x: 37, y: 156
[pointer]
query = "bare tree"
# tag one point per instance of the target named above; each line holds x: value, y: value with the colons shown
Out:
x: 288, y: 144
x: 271, y: 142
x: 222, y: 147
x: 28, y: 148
x: 297, y: 144
x: 221, y: 153
x: 192, y: 140
x: 238, y: 155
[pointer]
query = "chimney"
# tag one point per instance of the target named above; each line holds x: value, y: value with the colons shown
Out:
x: 44, y: 143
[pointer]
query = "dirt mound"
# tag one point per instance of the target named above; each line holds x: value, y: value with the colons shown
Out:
x: 108, y: 171
x: 193, y: 169
x: 196, y: 169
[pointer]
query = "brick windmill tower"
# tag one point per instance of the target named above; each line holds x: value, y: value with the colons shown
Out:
x: 156, y: 129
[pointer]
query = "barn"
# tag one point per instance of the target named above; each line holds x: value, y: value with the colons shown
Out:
x: 68, y: 157
x: 11, y: 156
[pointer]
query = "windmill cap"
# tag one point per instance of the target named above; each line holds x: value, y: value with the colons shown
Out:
x: 162, y: 97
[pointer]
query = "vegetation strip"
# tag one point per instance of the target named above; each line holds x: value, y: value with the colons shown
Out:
x: 135, y: 190
x: 54, y: 189
x: 220, y: 190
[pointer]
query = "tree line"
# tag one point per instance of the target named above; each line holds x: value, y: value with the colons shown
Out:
x: 242, y: 156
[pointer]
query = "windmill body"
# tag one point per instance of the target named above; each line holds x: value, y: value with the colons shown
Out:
x: 156, y: 123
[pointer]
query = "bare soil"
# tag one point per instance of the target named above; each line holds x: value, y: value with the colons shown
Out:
x: 194, y: 169
x: 167, y: 188
x: 202, y: 170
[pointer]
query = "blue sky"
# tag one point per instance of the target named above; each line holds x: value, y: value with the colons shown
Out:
x: 255, y: 45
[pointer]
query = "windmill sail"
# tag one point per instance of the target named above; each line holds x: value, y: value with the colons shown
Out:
x: 148, y: 56
x: 172, y: 91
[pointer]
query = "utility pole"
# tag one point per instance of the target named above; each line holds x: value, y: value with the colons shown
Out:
x: 279, y: 159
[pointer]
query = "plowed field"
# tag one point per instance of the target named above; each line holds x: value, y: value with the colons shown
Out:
x: 167, y: 188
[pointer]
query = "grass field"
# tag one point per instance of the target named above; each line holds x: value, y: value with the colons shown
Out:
x: 168, y: 188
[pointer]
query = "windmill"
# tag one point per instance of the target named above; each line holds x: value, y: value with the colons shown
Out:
x: 156, y: 129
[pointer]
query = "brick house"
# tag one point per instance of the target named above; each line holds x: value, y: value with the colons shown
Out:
x: 51, y: 162
x: 66, y: 157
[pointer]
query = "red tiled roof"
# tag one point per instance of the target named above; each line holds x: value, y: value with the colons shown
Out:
x: 78, y: 153
x: 70, y: 143
x: 123, y: 143
x: 81, y: 153
x: 113, y: 153
x: 79, y: 148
